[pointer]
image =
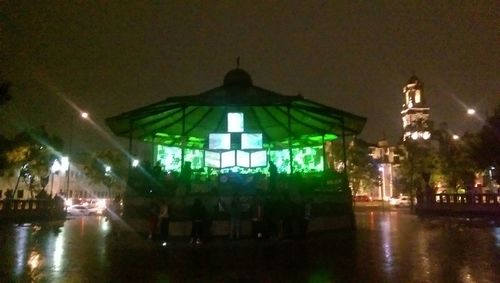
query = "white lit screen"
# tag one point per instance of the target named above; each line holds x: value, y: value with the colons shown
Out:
x: 219, y: 141
x: 235, y: 122
x: 228, y: 159
x: 251, y: 141
x: 212, y: 159
x: 258, y: 158
x: 242, y: 158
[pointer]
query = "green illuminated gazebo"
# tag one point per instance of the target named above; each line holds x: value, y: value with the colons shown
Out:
x: 238, y: 127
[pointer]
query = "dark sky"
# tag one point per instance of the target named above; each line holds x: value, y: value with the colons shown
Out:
x: 112, y: 57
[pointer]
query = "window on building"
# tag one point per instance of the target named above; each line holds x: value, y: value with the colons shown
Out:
x: 417, y: 96
x: 20, y: 194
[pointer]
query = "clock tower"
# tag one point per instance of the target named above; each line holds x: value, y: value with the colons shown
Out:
x: 415, y: 112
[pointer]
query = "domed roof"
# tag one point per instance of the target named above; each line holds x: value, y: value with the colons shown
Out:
x: 237, y: 77
x: 413, y: 79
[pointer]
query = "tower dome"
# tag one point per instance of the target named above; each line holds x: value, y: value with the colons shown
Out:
x: 237, y: 77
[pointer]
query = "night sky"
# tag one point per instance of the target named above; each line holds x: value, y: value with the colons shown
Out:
x: 112, y: 57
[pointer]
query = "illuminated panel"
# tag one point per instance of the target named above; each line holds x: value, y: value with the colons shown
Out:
x: 308, y: 159
x: 258, y: 158
x: 235, y: 122
x: 169, y: 157
x: 251, y: 141
x: 228, y: 159
x: 242, y: 158
x: 195, y: 156
x: 281, y: 159
x: 219, y: 141
x: 212, y: 159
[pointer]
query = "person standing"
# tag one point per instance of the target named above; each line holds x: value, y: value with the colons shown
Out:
x: 198, y: 214
x: 256, y: 212
x: 164, y: 220
x: 235, y: 213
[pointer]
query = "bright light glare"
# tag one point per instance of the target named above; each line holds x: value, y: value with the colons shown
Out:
x: 471, y: 111
x: 135, y: 163
x: 456, y: 137
x: 65, y: 163
x: 85, y: 115
x: 56, y: 166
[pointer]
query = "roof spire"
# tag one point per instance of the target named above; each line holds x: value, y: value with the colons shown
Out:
x: 238, y: 62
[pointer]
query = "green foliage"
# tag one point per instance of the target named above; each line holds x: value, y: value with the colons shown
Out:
x: 484, y: 148
x: 4, y: 92
x: 95, y: 168
x: 361, y: 168
x: 31, y: 152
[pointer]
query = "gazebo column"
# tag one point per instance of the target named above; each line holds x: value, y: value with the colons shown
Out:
x: 290, y: 140
x: 130, y: 128
x: 183, y: 138
x: 344, y: 152
x: 153, y: 149
x: 324, y: 158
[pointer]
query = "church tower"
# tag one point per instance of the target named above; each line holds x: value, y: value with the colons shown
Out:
x: 415, y: 112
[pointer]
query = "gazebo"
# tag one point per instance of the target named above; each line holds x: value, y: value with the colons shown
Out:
x: 240, y: 135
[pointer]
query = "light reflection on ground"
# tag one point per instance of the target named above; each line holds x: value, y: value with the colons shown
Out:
x: 390, y: 246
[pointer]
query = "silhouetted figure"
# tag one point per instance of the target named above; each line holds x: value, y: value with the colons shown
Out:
x: 235, y: 211
x: 186, y: 176
x: 257, y: 212
x: 273, y: 172
x: 198, y: 214
x: 164, y: 220
x: 306, y: 217
x: 154, y: 211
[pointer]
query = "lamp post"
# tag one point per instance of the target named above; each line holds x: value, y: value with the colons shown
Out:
x: 83, y: 115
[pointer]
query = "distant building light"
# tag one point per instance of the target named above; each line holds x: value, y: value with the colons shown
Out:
x: 455, y: 137
x: 471, y: 111
x: 65, y: 163
x: 426, y: 135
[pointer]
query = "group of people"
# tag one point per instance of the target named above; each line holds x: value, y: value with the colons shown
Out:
x: 274, y: 217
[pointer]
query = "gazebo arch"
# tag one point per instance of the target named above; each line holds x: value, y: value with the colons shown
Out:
x: 279, y: 125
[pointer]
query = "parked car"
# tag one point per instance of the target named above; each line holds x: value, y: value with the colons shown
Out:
x: 400, y: 201
x: 78, y: 210
x: 360, y: 198
x: 95, y: 209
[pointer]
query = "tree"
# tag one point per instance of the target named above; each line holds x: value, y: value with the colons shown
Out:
x: 30, y: 154
x: 361, y: 168
x: 484, y: 149
x: 107, y: 167
x: 4, y: 92
x: 420, y: 158
x: 454, y: 160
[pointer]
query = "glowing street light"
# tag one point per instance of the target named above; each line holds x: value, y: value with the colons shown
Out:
x: 455, y: 137
x: 471, y: 111
x: 135, y: 163
x: 85, y: 116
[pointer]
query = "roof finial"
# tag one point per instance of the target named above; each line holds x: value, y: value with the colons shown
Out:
x: 238, y: 62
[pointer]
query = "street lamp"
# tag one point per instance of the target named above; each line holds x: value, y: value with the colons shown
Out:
x: 471, y: 111
x: 455, y: 137
x: 85, y: 116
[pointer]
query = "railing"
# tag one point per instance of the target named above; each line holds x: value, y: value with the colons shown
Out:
x: 460, y: 204
x: 481, y: 199
x: 16, y: 209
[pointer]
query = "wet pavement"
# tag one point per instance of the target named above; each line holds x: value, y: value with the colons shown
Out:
x: 391, y: 246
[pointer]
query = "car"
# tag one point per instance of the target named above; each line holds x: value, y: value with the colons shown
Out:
x: 360, y: 198
x: 95, y: 210
x: 401, y: 200
x: 78, y: 210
